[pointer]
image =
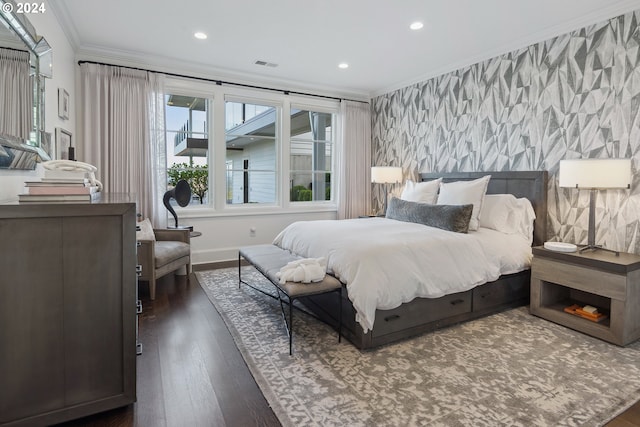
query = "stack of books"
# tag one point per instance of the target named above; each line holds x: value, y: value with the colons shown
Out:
x: 60, y: 186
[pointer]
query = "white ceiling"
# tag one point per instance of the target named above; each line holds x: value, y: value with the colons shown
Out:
x: 307, y: 39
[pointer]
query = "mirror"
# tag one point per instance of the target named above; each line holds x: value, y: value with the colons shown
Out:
x: 25, y: 61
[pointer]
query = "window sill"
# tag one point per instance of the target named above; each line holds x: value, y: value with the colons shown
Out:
x: 235, y: 211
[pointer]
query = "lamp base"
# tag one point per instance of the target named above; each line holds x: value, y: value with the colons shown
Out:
x: 596, y: 248
x: 591, y: 237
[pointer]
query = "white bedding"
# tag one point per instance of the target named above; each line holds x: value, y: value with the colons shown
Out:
x: 385, y: 262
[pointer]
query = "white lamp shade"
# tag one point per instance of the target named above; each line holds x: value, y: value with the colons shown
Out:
x: 595, y: 173
x: 386, y: 174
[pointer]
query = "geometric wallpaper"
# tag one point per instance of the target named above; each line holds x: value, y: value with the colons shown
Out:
x: 570, y: 97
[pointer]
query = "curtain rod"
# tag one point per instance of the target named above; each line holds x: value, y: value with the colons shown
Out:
x: 13, y: 48
x: 221, y: 82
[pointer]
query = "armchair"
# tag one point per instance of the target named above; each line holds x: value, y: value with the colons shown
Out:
x: 169, y: 251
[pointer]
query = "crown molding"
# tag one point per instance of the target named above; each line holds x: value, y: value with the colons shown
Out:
x: 69, y: 29
x: 602, y: 15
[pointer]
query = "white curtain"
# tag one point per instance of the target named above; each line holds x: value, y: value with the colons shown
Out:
x: 355, y: 160
x: 122, y: 134
x: 16, y: 93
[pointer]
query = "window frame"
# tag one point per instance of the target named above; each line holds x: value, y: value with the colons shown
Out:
x: 277, y: 140
x: 218, y: 95
x: 334, y: 155
x: 196, y: 89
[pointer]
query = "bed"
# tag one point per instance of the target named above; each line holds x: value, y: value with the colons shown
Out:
x: 471, y: 290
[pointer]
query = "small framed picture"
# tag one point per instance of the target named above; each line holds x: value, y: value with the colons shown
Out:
x: 63, y: 143
x: 63, y: 104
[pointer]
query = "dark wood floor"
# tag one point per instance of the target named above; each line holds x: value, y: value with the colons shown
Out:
x: 191, y: 373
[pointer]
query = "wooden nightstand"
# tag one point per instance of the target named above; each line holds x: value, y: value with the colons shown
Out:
x: 597, y: 278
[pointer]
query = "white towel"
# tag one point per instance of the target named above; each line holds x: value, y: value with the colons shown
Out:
x: 304, y: 270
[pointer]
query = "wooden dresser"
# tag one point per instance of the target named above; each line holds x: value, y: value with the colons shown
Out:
x: 67, y: 309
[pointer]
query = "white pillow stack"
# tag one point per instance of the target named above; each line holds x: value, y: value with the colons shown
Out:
x: 422, y: 192
x: 465, y: 193
x: 501, y: 212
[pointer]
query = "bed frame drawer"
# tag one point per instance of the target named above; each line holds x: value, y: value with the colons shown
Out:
x: 503, y: 291
x: 424, y: 310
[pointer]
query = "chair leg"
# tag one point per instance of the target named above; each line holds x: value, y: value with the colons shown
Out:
x: 152, y: 287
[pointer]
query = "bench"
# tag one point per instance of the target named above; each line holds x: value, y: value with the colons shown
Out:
x: 268, y: 260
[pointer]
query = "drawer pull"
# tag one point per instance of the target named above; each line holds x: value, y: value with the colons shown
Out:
x: 391, y: 318
x: 457, y: 301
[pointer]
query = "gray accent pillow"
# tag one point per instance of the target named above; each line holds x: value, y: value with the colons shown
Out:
x: 447, y: 217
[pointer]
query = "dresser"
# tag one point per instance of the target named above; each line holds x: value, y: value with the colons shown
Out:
x: 67, y: 309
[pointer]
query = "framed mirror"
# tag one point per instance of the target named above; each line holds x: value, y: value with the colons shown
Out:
x: 25, y: 61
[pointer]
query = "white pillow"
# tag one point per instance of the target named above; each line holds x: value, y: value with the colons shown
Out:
x: 505, y: 213
x: 498, y: 212
x: 423, y: 192
x: 146, y: 230
x: 524, y: 217
x: 464, y: 193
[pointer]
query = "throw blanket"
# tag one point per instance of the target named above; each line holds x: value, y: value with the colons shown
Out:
x: 385, y: 263
x: 303, y: 270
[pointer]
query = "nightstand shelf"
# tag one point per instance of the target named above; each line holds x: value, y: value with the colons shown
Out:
x: 560, y: 306
x: 600, y: 279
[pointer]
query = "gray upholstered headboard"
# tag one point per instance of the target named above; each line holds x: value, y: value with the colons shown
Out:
x: 529, y: 184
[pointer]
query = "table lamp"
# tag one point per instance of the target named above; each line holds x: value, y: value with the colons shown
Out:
x: 593, y: 175
x: 386, y: 175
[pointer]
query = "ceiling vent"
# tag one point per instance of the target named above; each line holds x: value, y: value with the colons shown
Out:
x: 266, y: 64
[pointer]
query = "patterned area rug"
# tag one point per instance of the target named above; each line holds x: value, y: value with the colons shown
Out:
x: 510, y: 369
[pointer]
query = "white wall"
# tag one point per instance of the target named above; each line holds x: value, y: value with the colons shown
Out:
x: 223, y: 235
x: 47, y: 25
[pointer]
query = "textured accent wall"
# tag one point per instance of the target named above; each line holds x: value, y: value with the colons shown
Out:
x: 574, y: 96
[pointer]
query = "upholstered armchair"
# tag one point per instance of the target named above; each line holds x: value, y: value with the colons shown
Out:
x: 169, y: 251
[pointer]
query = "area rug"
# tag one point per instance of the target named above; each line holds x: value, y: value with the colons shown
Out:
x: 508, y: 369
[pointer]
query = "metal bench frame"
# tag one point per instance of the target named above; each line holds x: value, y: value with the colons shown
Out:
x: 290, y: 301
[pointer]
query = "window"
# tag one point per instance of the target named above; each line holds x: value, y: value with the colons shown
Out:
x: 251, y: 132
x: 187, y: 144
x: 251, y: 150
x: 311, y: 151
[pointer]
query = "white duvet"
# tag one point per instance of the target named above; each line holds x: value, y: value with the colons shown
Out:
x: 385, y: 262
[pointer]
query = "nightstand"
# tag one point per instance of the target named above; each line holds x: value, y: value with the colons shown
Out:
x: 597, y: 278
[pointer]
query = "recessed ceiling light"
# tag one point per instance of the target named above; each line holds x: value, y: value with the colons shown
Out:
x: 343, y: 65
x: 416, y: 25
x: 200, y: 35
